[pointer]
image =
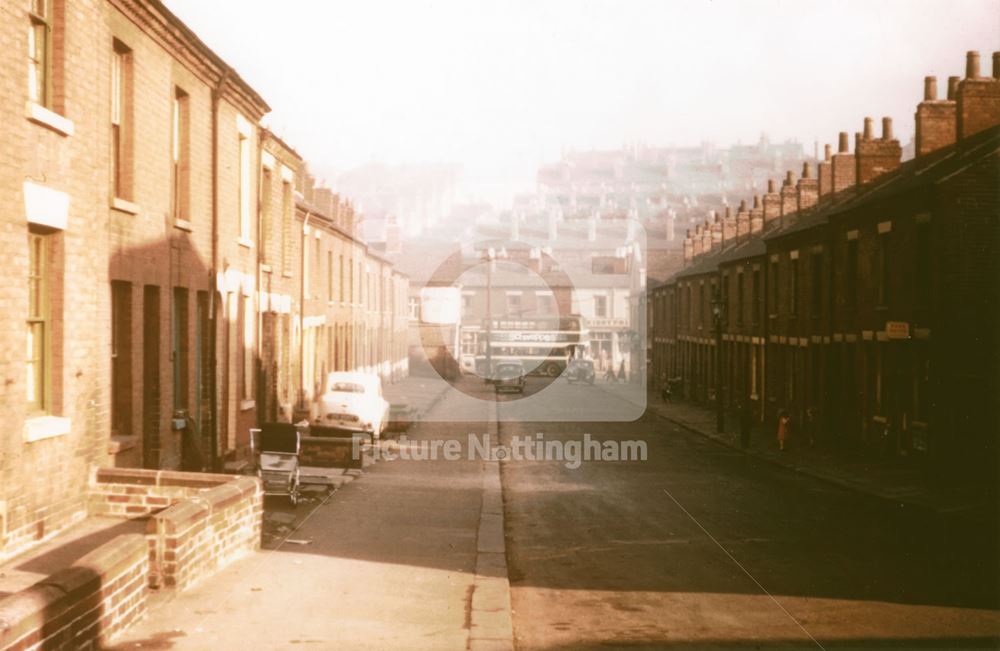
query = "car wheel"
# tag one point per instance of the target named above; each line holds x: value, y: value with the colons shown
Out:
x: 552, y: 370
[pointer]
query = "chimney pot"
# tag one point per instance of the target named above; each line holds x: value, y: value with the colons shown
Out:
x: 826, y: 152
x: 886, y: 128
x: 716, y: 217
x: 727, y: 212
x: 770, y: 186
x: 930, y: 89
x: 996, y: 65
x: 857, y: 140
x: 842, y: 146
x: 743, y: 205
x: 953, y: 88
x: 972, y: 64
x: 789, y: 178
x: 868, y: 129
x: 756, y: 201
x: 806, y: 174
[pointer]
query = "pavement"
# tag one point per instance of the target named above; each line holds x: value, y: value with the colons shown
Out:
x: 418, y: 392
x: 406, y: 554
x: 899, y: 480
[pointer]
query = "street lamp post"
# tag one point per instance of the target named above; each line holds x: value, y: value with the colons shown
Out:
x: 718, y: 311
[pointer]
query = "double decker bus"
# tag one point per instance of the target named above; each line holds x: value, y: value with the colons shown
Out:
x: 543, y: 344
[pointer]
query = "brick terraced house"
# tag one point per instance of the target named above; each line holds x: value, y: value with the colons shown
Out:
x: 863, y: 299
x: 167, y: 286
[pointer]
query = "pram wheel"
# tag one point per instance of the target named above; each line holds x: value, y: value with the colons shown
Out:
x: 293, y: 489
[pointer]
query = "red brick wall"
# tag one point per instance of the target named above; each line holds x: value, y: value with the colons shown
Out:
x: 86, y: 604
x: 149, y: 248
x: 977, y: 105
x: 935, y: 126
x: 132, y: 493
x: 200, y: 535
x: 43, y: 483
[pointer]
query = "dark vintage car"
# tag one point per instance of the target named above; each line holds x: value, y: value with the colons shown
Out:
x: 580, y: 370
x: 509, y: 376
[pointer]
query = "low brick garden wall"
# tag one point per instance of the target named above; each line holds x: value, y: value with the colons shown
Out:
x: 196, y: 523
x: 83, y: 605
x: 201, y: 534
x: 134, y: 492
x: 328, y: 452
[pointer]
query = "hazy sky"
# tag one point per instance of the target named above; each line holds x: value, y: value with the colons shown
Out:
x: 501, y: 86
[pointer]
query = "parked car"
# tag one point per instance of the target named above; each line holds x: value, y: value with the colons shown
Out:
x: 580, y: 370
x: 353, y: 402
x: 509, y: 376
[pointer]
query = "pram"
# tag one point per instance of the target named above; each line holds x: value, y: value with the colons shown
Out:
x: 278, y: 445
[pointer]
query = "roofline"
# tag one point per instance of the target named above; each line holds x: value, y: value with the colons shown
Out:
x: 156, y: 20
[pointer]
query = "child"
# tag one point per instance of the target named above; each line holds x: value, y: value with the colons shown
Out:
x: 783, y: 424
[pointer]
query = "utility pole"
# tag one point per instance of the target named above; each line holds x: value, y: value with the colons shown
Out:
x: 489, y: 313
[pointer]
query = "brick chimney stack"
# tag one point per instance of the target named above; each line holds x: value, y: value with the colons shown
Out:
x: 935, y: 119
x: 808, y: 190
x: 876, y: 156
x: 728, y: 227
x: 953, y: 87
x: 842, y: 167
x: 688, y: 248
x: 742, y: 222
x: 756, y: 215
x: 789, y: 196
x: 824, y: 172
x: 706, y: 237
x: 977, y: 98
x: 772, y: 203
x: 698, y: 241
x: 716, y: 230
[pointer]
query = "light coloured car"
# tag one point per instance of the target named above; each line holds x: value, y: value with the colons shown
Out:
x: 353, y: 402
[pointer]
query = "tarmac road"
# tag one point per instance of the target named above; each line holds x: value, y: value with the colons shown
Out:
x: 701, y: 546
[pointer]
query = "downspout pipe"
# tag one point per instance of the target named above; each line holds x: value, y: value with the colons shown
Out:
x: 302, y: 310
x: 258, y: 340
x: 213, y: 362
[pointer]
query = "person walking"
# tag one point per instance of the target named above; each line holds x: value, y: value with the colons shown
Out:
x: 784, y: 422
x: 622, y: 375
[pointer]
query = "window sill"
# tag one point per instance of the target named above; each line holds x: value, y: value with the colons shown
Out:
x: 123, y: 205
x: 245, y: 242
x: 45, y: 427
x: 50, y: 119
x: 247, y: 405
x: 119, y: 444
x: 265, y: 268
x: 183, y: 225
x: 286, y: 274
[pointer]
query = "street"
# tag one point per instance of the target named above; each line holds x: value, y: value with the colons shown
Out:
x: 698, y: 546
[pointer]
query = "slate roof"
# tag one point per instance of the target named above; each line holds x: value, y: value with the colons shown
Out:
x: 912, y: 175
